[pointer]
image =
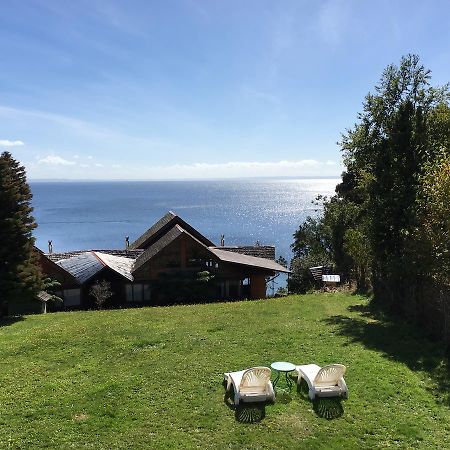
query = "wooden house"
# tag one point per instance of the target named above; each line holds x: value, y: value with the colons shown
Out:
x: 171, y: 262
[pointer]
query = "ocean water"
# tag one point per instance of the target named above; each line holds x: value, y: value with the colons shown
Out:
x: 98, y: 215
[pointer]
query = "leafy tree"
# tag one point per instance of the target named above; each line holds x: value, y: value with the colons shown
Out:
x: 311, y: 248
x: 51, y: 287
x: 20, y: 279
x: 390, y: 148
x: 101, y: 291
x: 434, y: 214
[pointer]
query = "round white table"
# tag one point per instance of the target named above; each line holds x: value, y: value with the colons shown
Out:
x: 283, y: 367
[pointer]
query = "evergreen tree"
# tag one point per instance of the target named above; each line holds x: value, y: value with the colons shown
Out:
x: 20, y: 278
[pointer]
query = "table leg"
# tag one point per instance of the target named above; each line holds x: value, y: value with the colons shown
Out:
x: 288, y: 381
x: 276, y: 379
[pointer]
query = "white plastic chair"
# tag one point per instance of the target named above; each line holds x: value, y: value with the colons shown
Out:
x: 327, y: 381
x: 250, y: 385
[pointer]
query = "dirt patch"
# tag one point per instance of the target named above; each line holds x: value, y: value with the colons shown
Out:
x: 80, y: 417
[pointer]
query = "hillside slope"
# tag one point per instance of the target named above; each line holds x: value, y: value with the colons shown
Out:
x: 151, y: 378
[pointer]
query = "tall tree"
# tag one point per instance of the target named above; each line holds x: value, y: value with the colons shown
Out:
x: 20, y: 278
x: 391, y: 146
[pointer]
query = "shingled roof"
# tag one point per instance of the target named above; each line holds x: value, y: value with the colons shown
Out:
x: 245, y: 260
x: 83, y: 266
x: 86, y: 265
x: 164, y: 224
x: 219, y: 253
x: 163, y: 242
x: 131, y: 254
x: 123, y: 266
x: 260, y: 251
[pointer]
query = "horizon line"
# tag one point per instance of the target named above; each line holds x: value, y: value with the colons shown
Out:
x: 99, y: 180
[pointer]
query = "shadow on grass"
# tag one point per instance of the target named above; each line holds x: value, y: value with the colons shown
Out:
x: 247, y: 412
x: 326, y: 408
x: 398, y: 341
x: 5, y: 321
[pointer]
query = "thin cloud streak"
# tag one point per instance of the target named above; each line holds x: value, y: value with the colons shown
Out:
x: 82, y: 127
x: 226, y: 170
x: 55, y: 160
x: 7, y: 143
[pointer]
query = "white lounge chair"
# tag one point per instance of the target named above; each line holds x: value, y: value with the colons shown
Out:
x: 250, y: 385
x: 325, y: 381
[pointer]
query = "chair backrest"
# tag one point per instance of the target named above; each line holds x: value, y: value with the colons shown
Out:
x: 329, y: 375
x: 255, y: 378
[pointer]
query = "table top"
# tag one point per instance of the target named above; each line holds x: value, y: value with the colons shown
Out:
x: 282, y: 366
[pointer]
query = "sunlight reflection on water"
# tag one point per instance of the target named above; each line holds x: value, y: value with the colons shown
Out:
x: 86, y: 215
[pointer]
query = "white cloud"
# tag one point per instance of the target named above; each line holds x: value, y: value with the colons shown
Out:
x: 55, y: 160
x: 226, y: 170
x: 237, y: 169
x: 7, y: 143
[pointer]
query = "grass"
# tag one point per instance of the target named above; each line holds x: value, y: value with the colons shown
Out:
x: 152, y: 378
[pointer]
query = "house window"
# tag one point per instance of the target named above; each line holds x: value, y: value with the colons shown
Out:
x: 146, y: 292
x: 129, y: 292
x: 137, y: 292
x: 72, y: 297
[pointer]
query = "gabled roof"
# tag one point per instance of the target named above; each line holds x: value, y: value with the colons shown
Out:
x: 45, y: 260
x: 122, y: 265
x: 126, y: 253
x: 86, y: 265
x: 245, y: 260
x: 260, y: 251
x: 163, y: 242
x: 222, y: 255
x: 83, y: 266
x: 164, y: 224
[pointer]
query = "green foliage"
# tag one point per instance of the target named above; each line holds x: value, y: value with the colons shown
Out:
x: 434, y: 226
x: 20, y: 279
x: 52, y: 286
x: 282, y: 261
x: 152, y: 378
x: 311, y: 248
x: 388, y: 225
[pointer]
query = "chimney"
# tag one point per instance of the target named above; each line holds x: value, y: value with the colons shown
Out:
x: 222, y: 240
x: 50, y: 247
x: 127, y: 242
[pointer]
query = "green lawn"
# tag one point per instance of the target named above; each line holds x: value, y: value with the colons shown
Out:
x: 152, y: 378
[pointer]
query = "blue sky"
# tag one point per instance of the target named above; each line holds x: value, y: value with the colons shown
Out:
x: 199, y: 88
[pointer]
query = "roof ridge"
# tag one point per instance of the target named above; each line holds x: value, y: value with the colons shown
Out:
x: 98, y: 257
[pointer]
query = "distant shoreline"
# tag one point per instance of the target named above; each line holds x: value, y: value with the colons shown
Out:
x: 87, y: 180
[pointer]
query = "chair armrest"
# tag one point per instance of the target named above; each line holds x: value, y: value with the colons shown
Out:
x: 343, y: 386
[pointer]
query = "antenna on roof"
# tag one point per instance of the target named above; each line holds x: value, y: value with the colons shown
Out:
x: 50, y: 247
x: 222, y: 240
x: 127, y: 242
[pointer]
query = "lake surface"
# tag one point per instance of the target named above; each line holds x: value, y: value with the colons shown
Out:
x: 98, y: 215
